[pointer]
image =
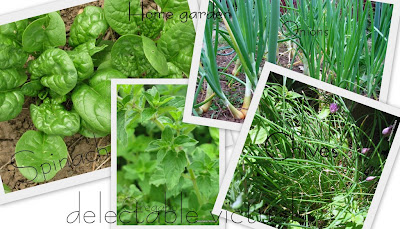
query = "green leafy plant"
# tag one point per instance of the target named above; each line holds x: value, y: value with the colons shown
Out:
x: 312, y: 159
x: 69, y: 83
x: 163, y: 162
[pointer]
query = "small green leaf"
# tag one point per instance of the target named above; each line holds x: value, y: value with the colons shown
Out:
x: 173, y: 165
x: 185, y: 141
x: 324, y: 113
x: 167, y: 134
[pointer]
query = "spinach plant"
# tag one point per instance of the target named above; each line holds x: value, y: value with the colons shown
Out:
x: 69, y: 82
x: 163, y: 162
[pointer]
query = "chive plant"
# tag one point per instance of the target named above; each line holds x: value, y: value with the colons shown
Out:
x: 251, y: 29
x: 340, y: 42
x: 311, y: 159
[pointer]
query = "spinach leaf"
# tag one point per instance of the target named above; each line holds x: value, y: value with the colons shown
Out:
x: 32, y: 88
x: 44, y: 33
x: 40, y: 156
x: 83, y: 64
x: 14, y: 30
x: 121, y: 17
x: 11, y: 53
x: 93, y: 101
x: 127, y: 55
x: 177, y: 45
x: 88, y: 25
x: 53, y: 119
x: 11, y: 98
x: 55, y: 70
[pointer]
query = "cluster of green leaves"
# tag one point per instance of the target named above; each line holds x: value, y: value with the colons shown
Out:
x: 150, y: 46
x: 71, y: 87
x: 163, y: 163
x: 303, y: 164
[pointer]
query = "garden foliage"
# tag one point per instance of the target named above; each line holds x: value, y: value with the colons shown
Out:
x: 163, y: 163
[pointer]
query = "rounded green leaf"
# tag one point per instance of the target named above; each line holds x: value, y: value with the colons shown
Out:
x: 45, y: 32
x: 89, y: 132
x: 14, y: 30
x: 117, y: 15
x: 54, y: 119
x: 151, y: 27
x: 155, y: 57
x: 10, y: 104
x: 32, y: 88
x: 93, y: 107
x: 88, y: 25
x: 55, y: 70
x: 11, y: 98
x: 11, y: 53
x: 40, y: 157
x: 83, y: 64
x: 177, y: 45
x: 127, y: 56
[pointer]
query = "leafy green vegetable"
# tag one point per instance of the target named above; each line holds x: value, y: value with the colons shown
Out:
x: 155, y: 57
x: 117, y: 15
x: 11, y: 53
x: 53, y: 119
x: 40, y: 156
x: 151, y: 27
x: 11, y: 98
x: 105, y: 54
x: 32, y: 88
x: 177, y: 45
x: 93, y: 101
x: 14, y: 30
x: 164, y: 159
x: 127, y: 55
x: 44, y: 33
x: 55, y: 70
x: 88, y: 25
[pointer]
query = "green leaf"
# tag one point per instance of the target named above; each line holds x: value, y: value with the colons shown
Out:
x: 90, y: 132
x: 40, y: 157
x: 54, y: 119
x: 88, y: 25
x: 151, y: 27
x: 324, y: 113
x: 11, y: 53
x: 167, y: 134
x: 11, y: 98
x: 158, y: 178
x: 83, y: 64
x: 258, y: 135
x: 185, y: 141
x: 173, y: 165
x: 127, y: 56
x: 117, y: 15
x: 32, y: 88
x: 177, y: 45
x: 6, y: 189
x: 44, y: 33
x: 148, y: 114
x: 14, y: 30
x: 155, y: 57
x: 55, y: 70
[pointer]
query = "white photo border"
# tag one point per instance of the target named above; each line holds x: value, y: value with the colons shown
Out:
x: 222, y: 151
x: 268, y: 68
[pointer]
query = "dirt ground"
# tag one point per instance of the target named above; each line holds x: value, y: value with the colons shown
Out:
x: 82, y: 151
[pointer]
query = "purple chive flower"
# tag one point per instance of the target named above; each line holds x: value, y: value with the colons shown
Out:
x: 365, y: 150
x: 370, y: 178
x: 387, y: 131
x: 333, y: 108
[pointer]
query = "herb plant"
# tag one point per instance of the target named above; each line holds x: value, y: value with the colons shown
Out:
x: 311, y: 159
x: 66, y: 73
x: 164, y: 164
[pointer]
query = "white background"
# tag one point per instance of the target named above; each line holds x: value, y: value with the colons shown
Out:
x: 51, y: 210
